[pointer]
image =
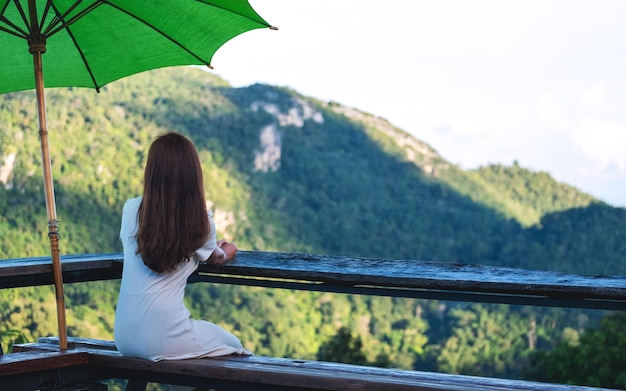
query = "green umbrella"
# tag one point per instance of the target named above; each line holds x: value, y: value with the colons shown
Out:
x: 89, y: 43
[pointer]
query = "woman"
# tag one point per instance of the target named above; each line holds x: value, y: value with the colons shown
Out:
x: 165, y: 234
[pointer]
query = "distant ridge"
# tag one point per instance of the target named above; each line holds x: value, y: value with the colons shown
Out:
x: 291, y: 173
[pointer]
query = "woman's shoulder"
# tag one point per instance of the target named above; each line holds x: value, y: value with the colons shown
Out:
x: 133, y: 203
x: 129, y: 217
x: 131, y: 207
x: 136, y: 200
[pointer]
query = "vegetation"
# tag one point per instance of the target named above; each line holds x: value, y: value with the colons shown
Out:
x: 284, y: 172
x: 595, y: 359
x: 345, y: 347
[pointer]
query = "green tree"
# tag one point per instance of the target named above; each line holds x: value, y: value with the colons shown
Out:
x: 343, y: 347
x: 597, y: 359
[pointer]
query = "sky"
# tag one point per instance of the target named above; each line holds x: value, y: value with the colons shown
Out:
x: 540, y: 82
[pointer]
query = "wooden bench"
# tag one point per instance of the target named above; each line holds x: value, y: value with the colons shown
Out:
x: 269, y: 373
x: 402, y: 278
x: 30, y: 370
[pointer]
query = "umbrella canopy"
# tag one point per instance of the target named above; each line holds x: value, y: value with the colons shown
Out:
x: 89, y: 43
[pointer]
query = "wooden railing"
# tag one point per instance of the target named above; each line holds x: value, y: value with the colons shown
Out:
x: 403, y: 278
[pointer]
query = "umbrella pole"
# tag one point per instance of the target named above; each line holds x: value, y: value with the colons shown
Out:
x: 53, y: 233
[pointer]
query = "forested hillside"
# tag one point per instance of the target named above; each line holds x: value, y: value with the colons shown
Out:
x: 284, y: 172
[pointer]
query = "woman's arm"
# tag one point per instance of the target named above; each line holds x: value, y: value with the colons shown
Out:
x: 225, y: 251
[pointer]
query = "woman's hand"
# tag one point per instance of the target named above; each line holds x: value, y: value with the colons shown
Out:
x: 229, y: 249
x: 224, y: 252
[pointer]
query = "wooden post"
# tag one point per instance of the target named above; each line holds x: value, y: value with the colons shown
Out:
x: 37, y: 46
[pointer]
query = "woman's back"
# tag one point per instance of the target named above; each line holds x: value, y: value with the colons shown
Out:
x: 165, y: 233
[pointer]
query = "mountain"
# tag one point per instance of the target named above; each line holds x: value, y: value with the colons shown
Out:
x: 285, y: 172
x: 290, y: 173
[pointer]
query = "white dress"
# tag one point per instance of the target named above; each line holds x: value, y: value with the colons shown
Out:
x: 151, y: 320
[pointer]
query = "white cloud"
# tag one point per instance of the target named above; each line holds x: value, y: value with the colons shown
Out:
x: 594, y: 96
x: 548, y: 112
x: 486, y: 81
x: 604, y: 142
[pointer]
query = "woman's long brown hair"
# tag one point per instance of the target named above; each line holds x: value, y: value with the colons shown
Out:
x: 172, y: 216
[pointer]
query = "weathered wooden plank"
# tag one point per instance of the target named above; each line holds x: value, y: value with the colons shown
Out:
x: 414, y: 273
x: 37, y: 370
x: 33, y: 361
x: 21, y: 272
x: 318, y: 375
x: 52, y: 343
x: 404, y: 278
x: 412, y: 278
x: 219, y: 371
x: 234, y: 373
x: 259, y: 372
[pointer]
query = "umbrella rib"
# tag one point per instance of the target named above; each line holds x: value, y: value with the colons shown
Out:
x: 80, y: 51
x: 60, y: 19
x: 45, y: 13
x: 82, y: 56
x: 162, y: 33
x: 18, y: 32
x: 19, y: 7
x: 4, y: 10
